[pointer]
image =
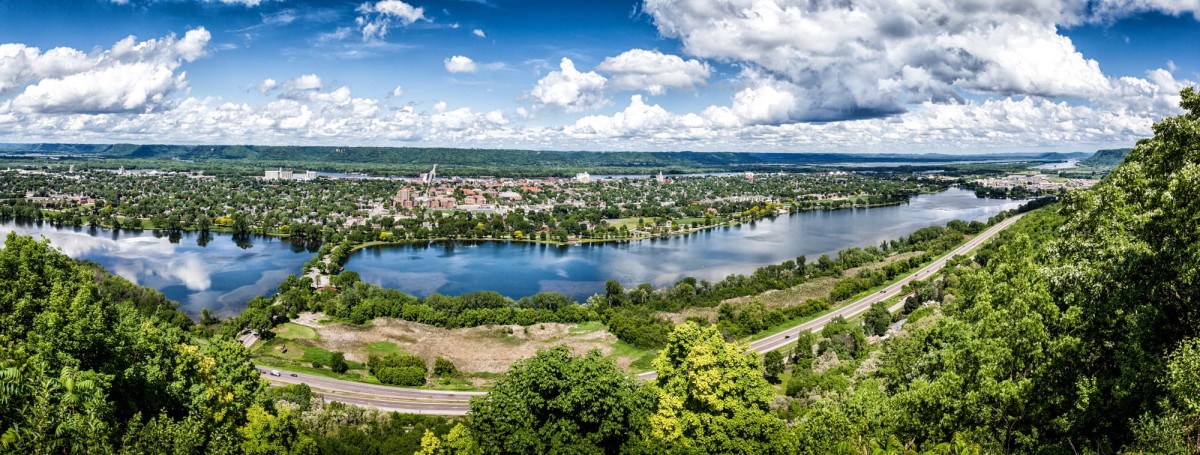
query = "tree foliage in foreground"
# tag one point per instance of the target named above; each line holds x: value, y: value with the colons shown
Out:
x: 558, y: 402
x: 85, y: 371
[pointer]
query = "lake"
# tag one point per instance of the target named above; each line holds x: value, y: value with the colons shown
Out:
x: 219, y: 274
x: 518, y: 269
x: 222, y: 274
x: 1068, y: 164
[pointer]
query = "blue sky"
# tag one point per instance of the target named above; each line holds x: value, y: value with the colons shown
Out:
x: 740, y: 75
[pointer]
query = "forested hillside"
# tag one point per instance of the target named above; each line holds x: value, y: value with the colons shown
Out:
x: 90, y: 363
x: 1077, y: 332
x: 502, y: 158
x: 1106, y: 158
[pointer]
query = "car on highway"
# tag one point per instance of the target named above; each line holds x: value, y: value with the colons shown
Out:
x: 274, y: 372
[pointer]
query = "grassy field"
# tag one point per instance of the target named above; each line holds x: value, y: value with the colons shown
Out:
x: 480, y: 353
x: 292, y: 331
x: 635, y: 359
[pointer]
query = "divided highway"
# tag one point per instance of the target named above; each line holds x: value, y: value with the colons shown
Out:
x: 424, y: 401
x: 387, y: 398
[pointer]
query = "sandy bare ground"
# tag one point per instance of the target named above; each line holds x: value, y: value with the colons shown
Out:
x: 478, y: 349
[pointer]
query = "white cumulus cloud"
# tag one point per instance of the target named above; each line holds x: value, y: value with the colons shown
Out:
x: 376, y: 18
x: 267, y: 85
x: 460, y: 64
x: 304, y: 82
x: 131, y: 76
x: 653, y: 71
x: 870, y: 58
x: 570, y: 90
x: 479, y: 33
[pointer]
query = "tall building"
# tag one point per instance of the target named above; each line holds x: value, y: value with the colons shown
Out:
x: 429, y: 177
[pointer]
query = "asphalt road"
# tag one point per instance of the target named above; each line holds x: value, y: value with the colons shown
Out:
x: 387, y: 398
x: 441, y: 402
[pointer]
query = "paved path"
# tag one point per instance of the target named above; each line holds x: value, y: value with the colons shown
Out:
x: 424, y: 401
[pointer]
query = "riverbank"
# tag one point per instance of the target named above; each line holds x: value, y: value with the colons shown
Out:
x: 385, y: 335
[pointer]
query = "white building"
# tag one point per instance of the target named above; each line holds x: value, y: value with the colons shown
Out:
x: 281, y: 174
x: 583, y: 177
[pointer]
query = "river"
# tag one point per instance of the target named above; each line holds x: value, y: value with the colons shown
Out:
x: 518, y: 269
x: 222, y: 274
x: 219, y: 274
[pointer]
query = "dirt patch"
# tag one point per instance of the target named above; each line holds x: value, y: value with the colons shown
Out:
x: 488, y: 349
x: 309, y: 319
x: 708, y: 314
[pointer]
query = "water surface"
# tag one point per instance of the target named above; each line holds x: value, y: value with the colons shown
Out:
x: 518, y: 269
x: 215, y: 272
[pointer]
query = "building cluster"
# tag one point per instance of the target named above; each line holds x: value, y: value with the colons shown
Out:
x: 441, y: 197
x: 1041, y: 182
x: 56, y: 198
x: 281, y: 174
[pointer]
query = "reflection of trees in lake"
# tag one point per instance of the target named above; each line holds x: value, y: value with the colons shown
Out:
x: 203, y: 239
x: 243, y: 241
x: 302, y: 246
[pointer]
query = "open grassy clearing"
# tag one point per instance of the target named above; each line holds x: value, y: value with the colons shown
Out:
x: 815, y: 288
x: 478, y: 352
x: 292, y: 331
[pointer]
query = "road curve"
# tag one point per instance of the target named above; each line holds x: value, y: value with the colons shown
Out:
x: 445, y: 402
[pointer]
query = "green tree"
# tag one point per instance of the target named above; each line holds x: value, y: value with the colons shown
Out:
x: 805, y: 341
x: 443, y: 367
x: 877, y: 319
x: 555, y: 402
x: 710, y: 397
x: 88, y: 367
x: 773, y: 366
x: 268, y: 434
x: 337, y: 362
x: 614, y: 292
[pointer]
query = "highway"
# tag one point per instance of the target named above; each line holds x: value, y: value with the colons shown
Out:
x: 414, y: 401
x: 439, y: 402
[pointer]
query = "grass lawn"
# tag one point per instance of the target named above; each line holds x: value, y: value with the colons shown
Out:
x: 382, y: 348
x: 630, y: 223
x: 642, y: 358
x: 291, y: 331
x: 587, y: 327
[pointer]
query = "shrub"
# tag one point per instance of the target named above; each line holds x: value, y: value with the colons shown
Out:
x: 443, y: 367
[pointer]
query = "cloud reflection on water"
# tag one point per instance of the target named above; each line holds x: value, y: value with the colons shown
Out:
x: 220, y: 275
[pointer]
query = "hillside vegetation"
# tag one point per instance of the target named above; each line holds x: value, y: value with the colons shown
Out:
x: 1106, y: 158
x: 330, y: 157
